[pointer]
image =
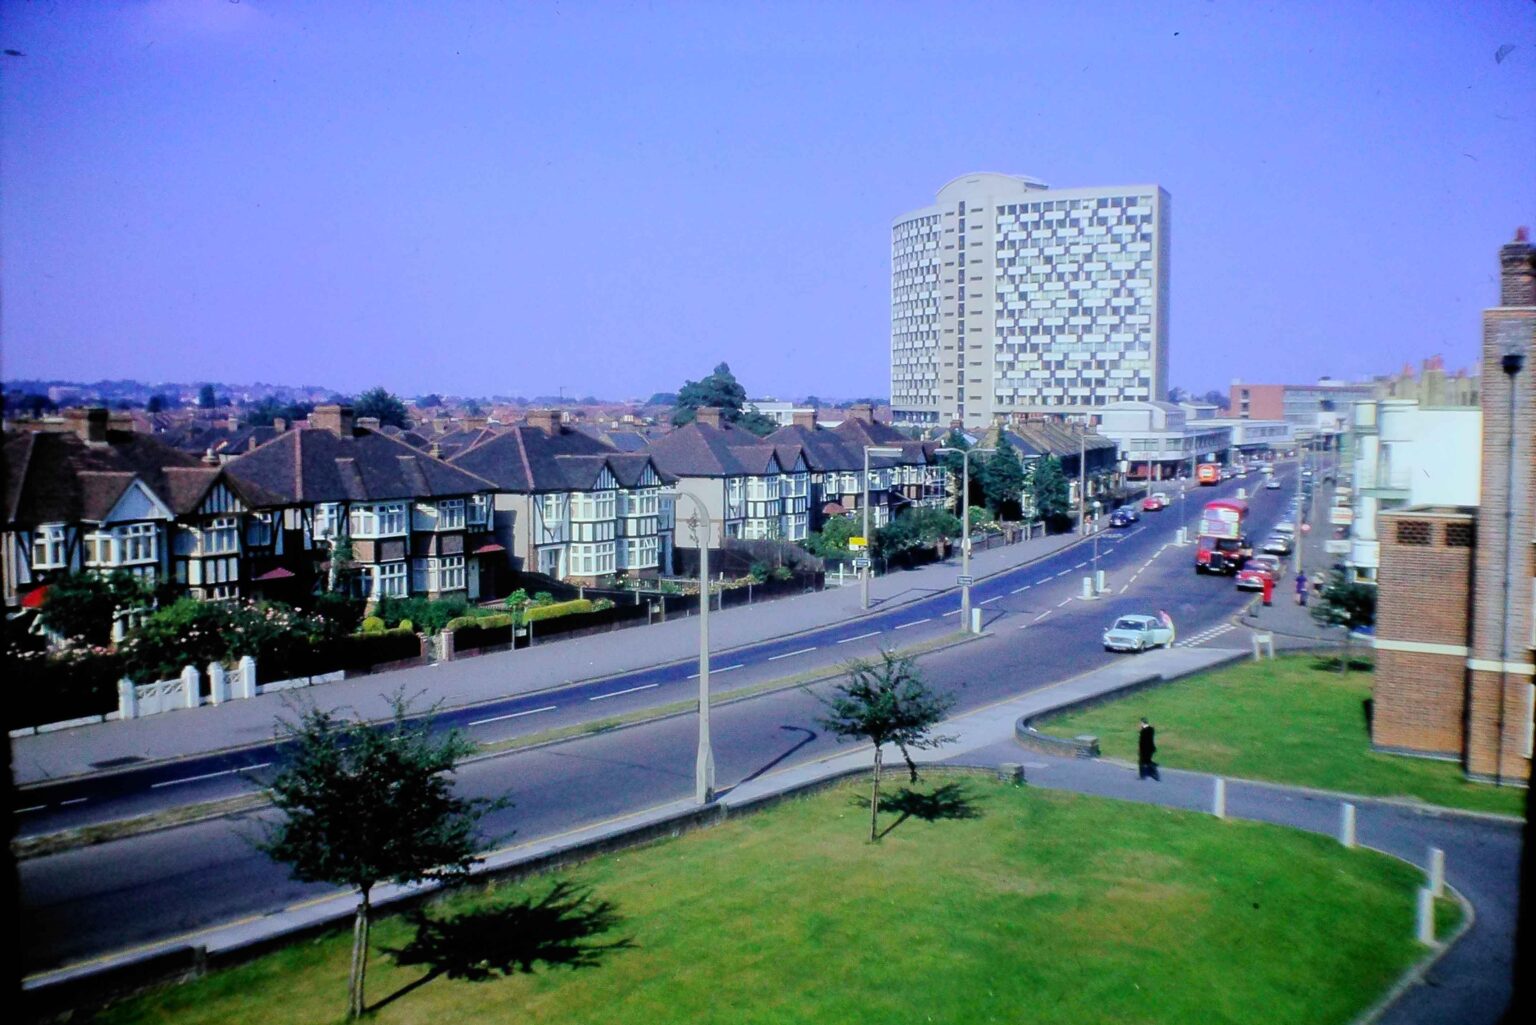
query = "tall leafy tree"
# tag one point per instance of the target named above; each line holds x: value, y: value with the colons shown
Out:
x: 1348, y: 604
x: 158, y: 404
x: 363, y: 805
x: 1048, y: 492
x: 83, y: 606
x: 954, y: 463
x: 206, y: 399
x: 886, y: 701
x: 380, y: 403
x: 1002, y: 480
x: 718, y: 389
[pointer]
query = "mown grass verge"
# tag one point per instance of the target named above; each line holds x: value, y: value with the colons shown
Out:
x: 1290, y: 720
x: 985, y: 903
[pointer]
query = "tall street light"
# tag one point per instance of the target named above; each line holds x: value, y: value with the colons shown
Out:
x: 879, y: 450
x: 704, y: 765
x: 965, y: 530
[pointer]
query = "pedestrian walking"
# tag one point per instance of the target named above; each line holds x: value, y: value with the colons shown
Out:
x: 1146, y: 747
x: 1301, y: 589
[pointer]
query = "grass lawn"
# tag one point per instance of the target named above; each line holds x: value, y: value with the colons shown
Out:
x: 1008, y: 904
x: 1292, y: 720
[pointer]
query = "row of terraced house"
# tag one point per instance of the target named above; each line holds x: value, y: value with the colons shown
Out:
x: 395, y: 515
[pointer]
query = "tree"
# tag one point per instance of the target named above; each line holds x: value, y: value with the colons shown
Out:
x: 831, y: 541
x: 361, y: 806
x: 388, y: 408
x: 1347, y: 604
x: 914, y: 528
x: 1002, y: 481
x: 1047, y: 489
x: 954, y: 463
x: 83, y: 606
x: 758, y: 423
x: 1217, y: 398
x: 1177, y: 394
x: 429, y: 401
x: 159, y: 404
x: 662, y: 398
x: 718, y: 389
x: 206, y: 399
x: 264, y: 411
x: 886, y: 701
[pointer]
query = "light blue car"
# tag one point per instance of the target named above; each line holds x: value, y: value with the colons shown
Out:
x: 1138, y: 633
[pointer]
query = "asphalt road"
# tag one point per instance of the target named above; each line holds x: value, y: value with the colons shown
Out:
x: 88, y: 902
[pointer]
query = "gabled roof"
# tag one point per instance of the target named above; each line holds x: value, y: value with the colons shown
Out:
x: 196, y: 437
x: 53, y: 476
x: 700, y: 450
x: 528, y: 459
x: 315, y: 465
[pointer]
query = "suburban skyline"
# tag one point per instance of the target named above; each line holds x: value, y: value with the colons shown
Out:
x: 610, y: 199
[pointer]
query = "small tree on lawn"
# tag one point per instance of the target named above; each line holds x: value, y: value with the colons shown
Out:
x: 1347, y: 604
x: 1002, y: 480
x: 1048, y: 492
x: 362, y: 806
x: 886, y: 701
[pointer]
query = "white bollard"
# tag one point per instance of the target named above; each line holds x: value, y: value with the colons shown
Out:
x: 1182, y: 537
x: 975, y: 621
x: 1437, y: 872
x: 1219, y: 799
x: 218, y: 684
x: 127, y: 699
x: 1087, y: 594
x: 191, y: 687
x: 245, y: 686
x: 1100, y: 581
x: 1347, y: 824
x: 1424, y: 920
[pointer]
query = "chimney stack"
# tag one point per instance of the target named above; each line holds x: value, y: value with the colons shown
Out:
x: 367, y: 423
x: 546, y: 420
x: 709, y: 416
x: 435, y: 450
x: 805, y: 418
x: 279, y: 424
x: 336, y: 419
x: 863, y: 412
x: 1517, y: 266
x: 209, y: 459
x: 90, y: 425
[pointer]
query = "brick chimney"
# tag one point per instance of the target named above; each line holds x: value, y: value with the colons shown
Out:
x: 435, y: 450
x: 367, y: 423
x: 805, y: 418
x: 546, y: 420
x: 336, y: 419
x: 863, y: 412
x: 709, y: 416
x: 1517, y: 266
x: 279, y: 424
x: 210, y: 459
x: 476, y: 423
x: 90, y: 425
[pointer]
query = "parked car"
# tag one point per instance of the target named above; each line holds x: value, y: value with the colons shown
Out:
x: 1278, y: 544
x: 1154, y: 502
x: 1138, y: 633
x: 1285, y: 528
x: 1255, y: 570
x: 1271, y: 485
x: 1123, y: 517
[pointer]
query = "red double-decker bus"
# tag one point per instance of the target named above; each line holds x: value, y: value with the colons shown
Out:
x: 1208, y: 473
x: 1223, y: 542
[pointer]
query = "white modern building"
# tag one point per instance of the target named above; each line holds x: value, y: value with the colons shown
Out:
x: 1008, y: 296
x: 1158, y: 441
x: 1406, y: 454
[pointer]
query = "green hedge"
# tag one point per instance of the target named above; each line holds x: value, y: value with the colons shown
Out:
x: 495, y: 619
x: 468, y: 638
x: 558, y: 609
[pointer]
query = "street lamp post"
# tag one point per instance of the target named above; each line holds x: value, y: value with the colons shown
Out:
x: 879, y: 450
x: 704, y: 764
x: 965, y: 530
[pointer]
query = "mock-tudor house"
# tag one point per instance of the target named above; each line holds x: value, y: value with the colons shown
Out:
x: 97, y: 499
x: 569, y: 506
x: 416, y: 525
x: 751, y: 488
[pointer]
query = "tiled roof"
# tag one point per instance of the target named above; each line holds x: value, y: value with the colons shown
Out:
x: 699, y: 450
x: 55, y: 477
x: 314, y: 465
x: 527, y: 459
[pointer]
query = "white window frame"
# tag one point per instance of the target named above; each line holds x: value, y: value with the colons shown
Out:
x: 220, y: 536
x: 450, y: 514
x: 49, y: 541
x: 391, y: 580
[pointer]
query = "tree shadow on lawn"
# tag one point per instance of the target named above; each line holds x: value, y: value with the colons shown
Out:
x: 1330, y: 663
x: 950, y: 801
x: 483, y: 943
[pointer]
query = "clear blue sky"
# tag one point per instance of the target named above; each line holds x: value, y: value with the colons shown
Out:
x: 610, y: 197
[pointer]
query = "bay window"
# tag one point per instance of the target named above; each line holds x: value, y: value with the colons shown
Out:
x: 48, y: 546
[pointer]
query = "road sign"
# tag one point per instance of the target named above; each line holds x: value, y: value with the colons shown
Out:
x: 1337, y: 547
x: 1341, y: 515
x: 965, y: 581
x: 857, y: 543
x: 861, y: 564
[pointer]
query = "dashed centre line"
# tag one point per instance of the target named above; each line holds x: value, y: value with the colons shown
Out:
x: 790, y: 654
x: 629, y: 690
x: 989, y: 601
x: 914, y: 622
x: 715, y: 672
x: 1042, y: 615
x: 194, y: 779
x: 1064, y: 602
x: 860, y: 637
x: 1021, y: 590
x: 514, y: 715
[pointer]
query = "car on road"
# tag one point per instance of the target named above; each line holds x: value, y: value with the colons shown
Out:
x: 1255, y: 570
x: 1278, y: 544
x: 1138, y: 633
x: 1285, y: 528
x: 1123, y: 517
x: 1271, y: 485
x: 1154, y: 502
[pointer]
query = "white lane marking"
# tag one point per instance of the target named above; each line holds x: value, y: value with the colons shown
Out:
x: 914, y: 622
x: 1064, y: 601
x: 789, y: 654
x: 955, y: 612
x: 1042, y: 580
x: 1042, y: 615
x: 73, y: 800
x: 1064, y: 573
x: 1080, y: 565
x: 860, y: 637
x: 989, y: 601
x: 34, y: 807
x: 206, y: 775
x: 514, y: 715
x: 716, y: 672
x: 1125, y: 588
x: 629, y: 690
x: 1021, y: 590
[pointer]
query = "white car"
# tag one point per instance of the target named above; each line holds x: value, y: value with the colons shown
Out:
x: 1138, y: 633
x: 1286, y: 528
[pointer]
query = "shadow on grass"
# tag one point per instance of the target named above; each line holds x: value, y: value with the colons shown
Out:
x: 1330, y: 663
x: 559, y: 930
x: 950, y: 801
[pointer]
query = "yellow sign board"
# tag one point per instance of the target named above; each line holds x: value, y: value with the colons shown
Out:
x: 857, y: 543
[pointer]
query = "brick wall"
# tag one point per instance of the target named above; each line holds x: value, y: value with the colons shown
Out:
x: 1424, y: 586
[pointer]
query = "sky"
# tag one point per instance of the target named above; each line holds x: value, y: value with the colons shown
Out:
x: 610, y: 198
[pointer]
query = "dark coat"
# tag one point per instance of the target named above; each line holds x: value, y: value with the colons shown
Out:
x: 1148, y: 746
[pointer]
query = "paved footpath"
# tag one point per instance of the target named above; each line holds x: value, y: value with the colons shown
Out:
x: 86, y: 749
x: 1469, y: 985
